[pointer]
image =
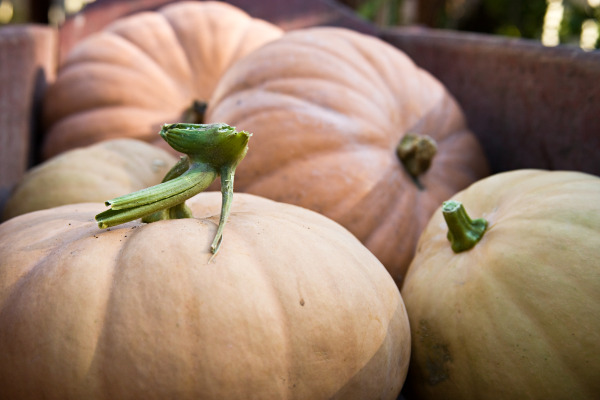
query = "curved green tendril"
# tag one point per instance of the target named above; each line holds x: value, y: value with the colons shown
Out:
x: 211, y: 150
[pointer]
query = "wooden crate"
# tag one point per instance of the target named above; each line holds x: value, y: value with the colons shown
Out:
x: 27, y: 64
x: 531, y: 106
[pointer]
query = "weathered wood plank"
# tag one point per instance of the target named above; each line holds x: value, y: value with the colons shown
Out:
x: 27, y: 64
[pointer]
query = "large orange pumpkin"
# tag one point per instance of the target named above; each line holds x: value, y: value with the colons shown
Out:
x: 293, y: 306
x: 328, y: 108
x: 145, y: 70
x: 514, y: 315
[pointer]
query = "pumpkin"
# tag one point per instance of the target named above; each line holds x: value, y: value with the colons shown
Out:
x: 335, y: 116
x: 144, y: 70
x: 293, y: 306
x: 514, y: 311
x: 90, y: 174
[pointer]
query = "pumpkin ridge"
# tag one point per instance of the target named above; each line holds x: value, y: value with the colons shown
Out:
x: 435, y: 122
x: 381, y: 69
x: 40, y: 244
x: 370, y: 74
x: 288, y: 164
x: 181, y: 44
x: 275, y: 294
x: 149, y: 100
x: 325, y: 82
x: 304, y: 301
x: 117, y: 42
x: 165, y: 31
x: 205, y: 22
x: 70, y: 129
x: 388, y: 251
x: 381, y: 220
x: 367, y: 68
x: 535, y: 319
x: 357, y: 89
x: 307, y: 106
x: 239, y: 43
x: 177, y: 86
x: 380, y: 188
x: 99, y: 361
x: 79, y: 238
x: 378, y: 68
x: 365, y: 88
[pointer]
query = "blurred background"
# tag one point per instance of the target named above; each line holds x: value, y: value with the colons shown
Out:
x: 552, y: 22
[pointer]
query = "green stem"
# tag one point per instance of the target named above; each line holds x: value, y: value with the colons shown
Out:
x: 416, y: 152
x: 211, y: 150
x: 227, y: 175
x: 156, y: 198
x: 178, y: 169
x: 179, y: 210
x: 463, y: 232
x: 195, y: 113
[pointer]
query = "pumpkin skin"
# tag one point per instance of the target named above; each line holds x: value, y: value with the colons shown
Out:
x: 327, y: 108
x: 90, y: 174
x: 146, y: 70
x: 293, y: 306
x: 516, y: 315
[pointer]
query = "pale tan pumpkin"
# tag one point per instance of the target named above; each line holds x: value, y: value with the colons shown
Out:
x: 90, y: 174
x: 146, y: 70
x: 328, y: 108
x: 516, y: 316
x: 293, y: 306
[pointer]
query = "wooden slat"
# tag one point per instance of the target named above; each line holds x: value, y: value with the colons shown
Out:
x: 28, y: 61
x: 531, y: 106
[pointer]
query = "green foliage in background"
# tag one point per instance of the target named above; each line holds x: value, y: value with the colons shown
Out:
x: 503, y: 17
x: 514, y: 18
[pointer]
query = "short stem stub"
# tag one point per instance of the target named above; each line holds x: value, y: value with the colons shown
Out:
x: 416, y: 152
x: 211, y: 150
x: 463, y: 232
x: 195, y: 113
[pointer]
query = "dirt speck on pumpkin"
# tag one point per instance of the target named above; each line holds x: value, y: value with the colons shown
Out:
x: 437, y: 354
